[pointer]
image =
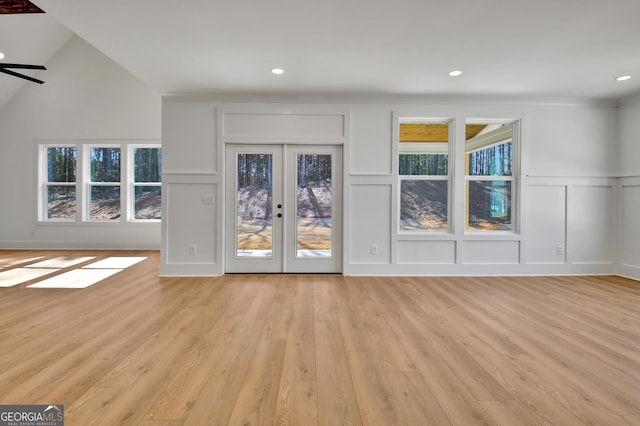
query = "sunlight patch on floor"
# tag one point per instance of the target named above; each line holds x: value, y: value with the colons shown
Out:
x: 82, y: 277
x: 21, y: 275
x: 10, y: 261
x: 78, y: 278
x: 90, y: 274
x: 115, y: 262
x: 61, y: 262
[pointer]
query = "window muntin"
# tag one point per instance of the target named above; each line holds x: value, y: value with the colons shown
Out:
x: 423, y: 170
x: 60, y: 185
x: 489, y: 177
x: 147, y: 183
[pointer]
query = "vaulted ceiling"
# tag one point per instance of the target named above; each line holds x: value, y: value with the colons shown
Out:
x: 543, y: 48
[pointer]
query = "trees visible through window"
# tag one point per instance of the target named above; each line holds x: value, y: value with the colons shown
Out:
x: 426, y: 175
x: 147, y: 189
x: 423, y: 169
x: 104, y: 189
x: 489, y: 174
x: 60, y: 186
x: 100, y: 183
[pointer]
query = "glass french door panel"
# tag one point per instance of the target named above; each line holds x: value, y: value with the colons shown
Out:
x: 314, y: 205
x: 254, y: 215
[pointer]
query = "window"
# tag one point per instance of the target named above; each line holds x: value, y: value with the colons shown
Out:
x: 100, y: 183
x: 60, y: 186
x: 489, y: 176
x: 104, y: 186
x: 423, y: 169
x: 147, y: 178
x: 449, y: 185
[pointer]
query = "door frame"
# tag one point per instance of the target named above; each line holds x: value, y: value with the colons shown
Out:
x: 284, y: 231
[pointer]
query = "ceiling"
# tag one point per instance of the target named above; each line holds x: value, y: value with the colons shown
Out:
x: 543, y: 48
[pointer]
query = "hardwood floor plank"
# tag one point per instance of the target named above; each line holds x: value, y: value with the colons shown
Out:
x: 300, y: 353
x: 218, y: 396
x: 452, y: 396
x: 242, y: 346
x: 384, y: 341
x: 297, y: 404
x: 416, y: 403
x: 337, y: 402
x: 352, y: 329
x: 377, y: 406
x: 256, y: 402
x: 325, y: 299
x: 184, y: 389
x: 278, y: 320
x: 94, y: 407
x: 631, y: 420
x: 543, y: 399
x: 511, y: 412
x: 582, y: 403
x: 471, y: 373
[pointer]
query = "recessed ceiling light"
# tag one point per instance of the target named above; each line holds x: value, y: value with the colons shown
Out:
x: 455, y: 73
x: 277, y: 71
x: 1, y: 55
x: 623, y: 78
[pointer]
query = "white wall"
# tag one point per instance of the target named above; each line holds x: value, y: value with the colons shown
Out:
x: 628, y: 229
x: 568, y: 188
x: 86, y: 97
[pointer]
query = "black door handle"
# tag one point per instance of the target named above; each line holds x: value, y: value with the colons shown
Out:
x: 279, y: 206
x: 279, y: 214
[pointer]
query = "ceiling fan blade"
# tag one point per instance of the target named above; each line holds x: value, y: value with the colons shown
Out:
x: 26, y: 77
x: 23, y: 66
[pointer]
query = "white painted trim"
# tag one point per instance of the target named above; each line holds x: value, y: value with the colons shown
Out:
x: 190, y: 270
x: 479, y: 269
x: 367, y: 98
x: 488, y: 140
x: 629, y: 271
x: 77, y: 245
x: 190, y: 177
x: 423, y: 147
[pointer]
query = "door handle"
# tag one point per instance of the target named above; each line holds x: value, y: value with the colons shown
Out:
x: 279, y: 214
x: 279, y: 206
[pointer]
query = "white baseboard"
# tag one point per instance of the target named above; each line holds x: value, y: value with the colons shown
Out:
x: 629, y: 271
x: 190, y: 270
x: 77, y: 245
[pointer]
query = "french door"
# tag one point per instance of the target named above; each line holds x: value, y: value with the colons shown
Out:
x: 283, y: 209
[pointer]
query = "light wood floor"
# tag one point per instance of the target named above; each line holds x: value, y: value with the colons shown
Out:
x: 328, y: 350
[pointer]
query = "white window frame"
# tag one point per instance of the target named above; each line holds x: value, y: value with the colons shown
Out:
x: 490, y: 142
x: 83, y: 182
x: 44, y: 184
x: 88, y: 184
x: 132, y: 184
x: 433, y: 148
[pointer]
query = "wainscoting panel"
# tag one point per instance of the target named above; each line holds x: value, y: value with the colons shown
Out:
x: 427, y: 252
x: 491, y: 252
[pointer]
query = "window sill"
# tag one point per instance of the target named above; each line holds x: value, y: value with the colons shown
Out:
x: 98, y: 223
